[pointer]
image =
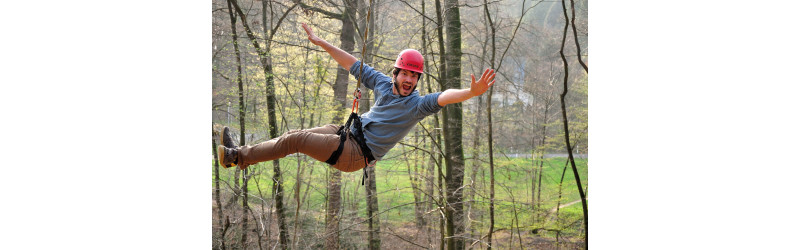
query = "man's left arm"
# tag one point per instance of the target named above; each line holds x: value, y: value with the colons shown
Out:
x: 476, y: 89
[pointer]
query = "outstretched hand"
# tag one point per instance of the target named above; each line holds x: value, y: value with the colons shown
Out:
x: 314, y: 39
x: 485, y: 82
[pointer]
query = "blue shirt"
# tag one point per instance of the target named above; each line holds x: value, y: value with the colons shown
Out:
x: 392, y: 116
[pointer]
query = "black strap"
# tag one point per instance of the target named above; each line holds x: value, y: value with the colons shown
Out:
x: 364, y: 176
x: 359, y: 138
x: 343, y: 136
x: 335, y: 156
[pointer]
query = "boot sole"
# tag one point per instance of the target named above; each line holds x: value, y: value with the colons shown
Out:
x: 221, y: 155
x: 222, y: 133
x: 221, y: 148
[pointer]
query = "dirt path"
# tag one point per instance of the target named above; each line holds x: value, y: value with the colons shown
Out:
x: 553, y: 210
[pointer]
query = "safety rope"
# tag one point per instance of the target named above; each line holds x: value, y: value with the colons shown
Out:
x: 358, y: 93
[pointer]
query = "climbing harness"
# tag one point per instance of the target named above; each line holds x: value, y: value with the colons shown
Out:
x: 353, y: 128
x: 354, y: 120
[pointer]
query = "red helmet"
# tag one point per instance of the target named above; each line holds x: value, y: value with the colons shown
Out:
x: 410, y: 59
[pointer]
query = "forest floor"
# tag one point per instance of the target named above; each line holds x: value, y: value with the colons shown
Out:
x: 403, y: 236
x: 398, y: 230
x: 407, y: 236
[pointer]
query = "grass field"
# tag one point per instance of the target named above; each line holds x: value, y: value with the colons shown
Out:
x: 513, y: 194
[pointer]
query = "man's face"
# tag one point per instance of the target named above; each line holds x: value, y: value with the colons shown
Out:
x: 405, y: 81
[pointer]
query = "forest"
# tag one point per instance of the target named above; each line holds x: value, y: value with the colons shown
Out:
x: 506, y: 169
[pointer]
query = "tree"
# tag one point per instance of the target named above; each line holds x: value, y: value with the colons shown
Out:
x: 214, y: 134
x: 241, y: 122
x: 575, y: 36
x: 367, y: 25
x: 567, y: 131
x: 489, y: 128
x: 541, y: 149
x: 340, y: 87
x: 452, y: 121
x: 266, y: 61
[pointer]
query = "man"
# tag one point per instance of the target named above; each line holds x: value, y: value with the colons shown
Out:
x: 398, y: 107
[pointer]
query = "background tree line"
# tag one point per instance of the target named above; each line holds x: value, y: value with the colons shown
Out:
x: 479, y: 174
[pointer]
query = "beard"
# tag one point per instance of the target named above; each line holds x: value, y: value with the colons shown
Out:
x: 398, y: 86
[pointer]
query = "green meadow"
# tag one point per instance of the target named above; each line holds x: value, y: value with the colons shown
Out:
x: 513, y: 191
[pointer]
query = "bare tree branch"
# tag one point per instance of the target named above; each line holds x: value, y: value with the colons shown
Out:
x: 575, y: 37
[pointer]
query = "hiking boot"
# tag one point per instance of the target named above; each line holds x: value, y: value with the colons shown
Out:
x: 228, y: 157
x: 225, y: 138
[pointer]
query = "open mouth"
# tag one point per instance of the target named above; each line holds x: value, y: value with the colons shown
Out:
x: 407, y: 87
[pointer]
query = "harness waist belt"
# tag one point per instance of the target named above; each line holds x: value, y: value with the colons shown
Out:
x: 344, y: 132
x: 363, y: 144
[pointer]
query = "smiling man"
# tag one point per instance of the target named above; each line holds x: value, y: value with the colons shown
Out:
x: 398, y: 107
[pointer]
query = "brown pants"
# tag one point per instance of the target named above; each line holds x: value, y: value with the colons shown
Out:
x: 317, y: 142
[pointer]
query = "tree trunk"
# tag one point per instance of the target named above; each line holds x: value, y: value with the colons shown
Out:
x: 541, y: 156
x: 340, y: 87
x: 442, y: 221
x: 367, y: 24
x: 489, y: 129
x: 278, y: 188
x: 217, y: 183
x: 414, y: 173
x: 429, y: 176
x: 559, y: 201
x: 374, y: 225
x: 471, y: 196
x: 475, y: 151
x: 245, y: 207
x: 443, y: 69
x: 241, y: 119
x: 297, y: 191
x: 575, y: 35
x: 567, y: 131
x: 332, y: 209
x: 452, y: 120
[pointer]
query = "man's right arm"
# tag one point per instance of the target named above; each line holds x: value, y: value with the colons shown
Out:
x: 343, y: 58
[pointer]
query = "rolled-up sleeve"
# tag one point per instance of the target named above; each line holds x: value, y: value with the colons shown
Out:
x: 369, y: 75
x: 429, y: 105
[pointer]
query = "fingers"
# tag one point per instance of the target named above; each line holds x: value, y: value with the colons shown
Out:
x: 307, y: 29
x: 484, y: 75
x: 489, y: 75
